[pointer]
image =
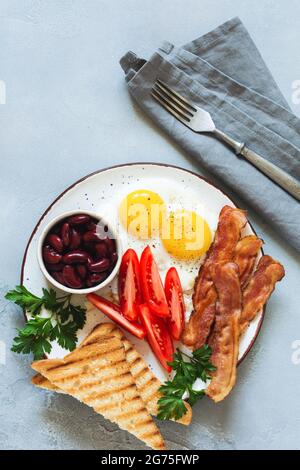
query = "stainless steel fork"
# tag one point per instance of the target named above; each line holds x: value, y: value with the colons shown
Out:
x: 199, y: 120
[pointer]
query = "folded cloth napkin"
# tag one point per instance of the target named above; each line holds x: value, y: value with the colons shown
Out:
x: 224, y: 73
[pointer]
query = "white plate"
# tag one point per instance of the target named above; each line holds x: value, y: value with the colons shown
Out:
x: 102, y: 192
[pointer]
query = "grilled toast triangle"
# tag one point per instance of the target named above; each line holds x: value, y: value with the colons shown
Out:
x: 147, y: 383
x: 98, y: 375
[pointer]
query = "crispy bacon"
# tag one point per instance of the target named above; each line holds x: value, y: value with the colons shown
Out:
x: 245, y: 256
x: 254, y: 297
x: 259, y: 289
x: 226, y: 330
x: 231, y: 222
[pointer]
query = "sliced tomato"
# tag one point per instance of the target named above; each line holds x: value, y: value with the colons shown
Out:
x: 158, y: 336
x: 152, y: 286
x: 175, y: 301
x: 113, y: 312
x: 129, y: 285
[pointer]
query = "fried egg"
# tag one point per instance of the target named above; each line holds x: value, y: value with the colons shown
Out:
x: 141, y: 213
x: 176, y: 230
x: 186, y: 235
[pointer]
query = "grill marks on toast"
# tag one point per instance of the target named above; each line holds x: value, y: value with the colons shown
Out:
x: 98, y: 374
x: 147, y: 383
x: 40, y: 381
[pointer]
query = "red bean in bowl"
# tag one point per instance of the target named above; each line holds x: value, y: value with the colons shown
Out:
x: 79, y: 219
x: 55, y: 242
x: 91, y: 236
x: 111, y: 244
x: 54, y: 267
x: 82, y: 270
x: 50, y: 255
x: 58, y: 276
x: 75, y: 239
x: 95, y: 278
x: 92, y: 226
x: 101, y: 250
x: 71, y: 278
x: 75, y: 255
x: 99, y: 266
x: 65, y: 234
x: 113, y: 258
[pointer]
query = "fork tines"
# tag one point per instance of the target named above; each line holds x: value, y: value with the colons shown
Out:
x: 178, y: 106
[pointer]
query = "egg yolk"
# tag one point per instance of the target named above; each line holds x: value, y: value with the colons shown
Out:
x: 186, y: 235
x: 141, y: 213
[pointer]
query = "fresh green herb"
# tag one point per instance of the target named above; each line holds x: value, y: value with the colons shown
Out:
x: 61, y: 325
x: 171, y: 404
x: 21, y: 296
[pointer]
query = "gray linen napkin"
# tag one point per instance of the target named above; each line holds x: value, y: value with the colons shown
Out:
x: 224, y: 73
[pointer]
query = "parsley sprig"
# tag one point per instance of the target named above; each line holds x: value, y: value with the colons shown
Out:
x: 171, y: 404
x: 61, y: 324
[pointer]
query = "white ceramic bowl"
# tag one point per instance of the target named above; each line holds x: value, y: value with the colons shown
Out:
x: 57, y: 284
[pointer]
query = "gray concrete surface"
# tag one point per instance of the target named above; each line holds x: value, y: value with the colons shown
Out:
x: 67, y: 113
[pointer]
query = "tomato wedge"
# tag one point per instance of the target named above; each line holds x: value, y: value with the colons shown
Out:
x: 129, y: 285
x: 113, y: 312
x: 152, y: 287
x: 175, y: 301
x: 158, y: 336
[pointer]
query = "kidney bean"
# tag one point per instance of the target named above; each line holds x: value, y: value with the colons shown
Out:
x: 54, y: 267
x: 114, y: 258
x: 71, y: 278
x: 95, y: 278
x: 75, y: 239
x: 58, y: 276
x: 101, y: 250
x: 65, y: 234
x: 90, y: 236
x: 56, y: 229
x: 92, y: 227
x: 99, y: 266
x: 89, y: 247
x: 81, y: 270
x: 76, y: 256
x: 56, y: 242
x: 79, y: 219
x: 51, y: 256
x: 111, y: 244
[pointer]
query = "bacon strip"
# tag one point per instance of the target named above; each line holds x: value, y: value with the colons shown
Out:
x: 231, y: 222
x: 259, y: 289
x: 245, y: 256
x: 226, y: 330
x: 254, y: 297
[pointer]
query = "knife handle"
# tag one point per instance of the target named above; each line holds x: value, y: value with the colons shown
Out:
x: 276, y: 174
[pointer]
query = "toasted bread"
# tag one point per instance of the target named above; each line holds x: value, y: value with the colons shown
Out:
x: 147, y: 383
x: 98, y: 375
x: 40, y: 381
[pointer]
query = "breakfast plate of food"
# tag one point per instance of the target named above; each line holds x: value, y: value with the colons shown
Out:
x: 143, y: 286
